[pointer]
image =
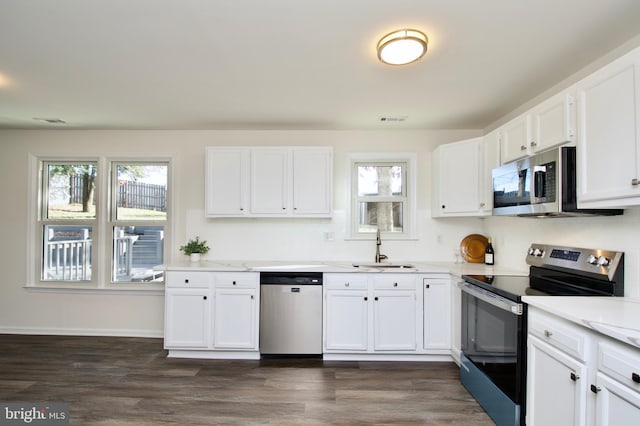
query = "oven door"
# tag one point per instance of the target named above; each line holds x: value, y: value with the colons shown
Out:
x: 494, y: 338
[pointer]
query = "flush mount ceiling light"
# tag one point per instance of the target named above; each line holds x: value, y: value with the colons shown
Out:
x: 402, y: 47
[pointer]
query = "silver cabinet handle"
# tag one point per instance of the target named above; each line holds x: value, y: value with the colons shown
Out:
x: 635, y: 182
x: 547, y: 333
x: 534, y: 144
x: 523, y: 147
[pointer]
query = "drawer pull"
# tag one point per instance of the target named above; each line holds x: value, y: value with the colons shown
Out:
x: 375, y: 298
x: 574, y: 376
x: 234, y: 283
x: 346, y: 284
x: 204, y: 297
x: 595, y: 389
x: 523, y: 147
x: 635, y: 182
x: 426, y: 286
x: 547, y: 333
x: 186, y: 281
x: 395, y: 284
x: 635, y: 377
x: 366, y: 298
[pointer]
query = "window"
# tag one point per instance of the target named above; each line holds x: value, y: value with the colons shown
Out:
x: 382, y: 196
x: 138, y: 216
x: 68, y: 220
x: 101, y: 222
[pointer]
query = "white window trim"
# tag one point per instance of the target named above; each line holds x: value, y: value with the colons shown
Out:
x: 411, y: 159
x: 101, y: 278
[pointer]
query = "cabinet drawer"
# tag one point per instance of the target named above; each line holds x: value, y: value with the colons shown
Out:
x: 237, y: 280
x: 346, y: 282
x: 390, y: 282
x: 620, y: 362
x: 563, y: 335
x: 188, y: 279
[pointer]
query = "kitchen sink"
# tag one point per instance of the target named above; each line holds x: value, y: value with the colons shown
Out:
x: 383, y: 265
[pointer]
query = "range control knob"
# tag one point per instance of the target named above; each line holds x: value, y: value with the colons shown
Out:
x: 603, y: 261
x: 592, y: 260
x: 537, y: 252
x: 530, y: 251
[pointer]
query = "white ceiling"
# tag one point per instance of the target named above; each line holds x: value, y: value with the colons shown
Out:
x: 292, y: 64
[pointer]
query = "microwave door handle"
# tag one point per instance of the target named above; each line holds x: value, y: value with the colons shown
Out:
x: 491, y: 298
x: 539, y: 180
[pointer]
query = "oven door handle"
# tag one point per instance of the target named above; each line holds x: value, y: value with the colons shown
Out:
x: 491, y: 298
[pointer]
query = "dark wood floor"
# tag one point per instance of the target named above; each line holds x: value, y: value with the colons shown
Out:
x: 118, y: 381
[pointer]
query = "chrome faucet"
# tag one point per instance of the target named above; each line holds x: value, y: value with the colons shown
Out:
x: 379, y: 256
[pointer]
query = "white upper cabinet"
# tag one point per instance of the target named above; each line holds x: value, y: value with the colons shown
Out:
x: 552, y: 122
x: 608, y: 130
x: 515, y: 138
x: 269, y: 182
x: 545, y: 126
x: 227, y: 182
x: 458, y: 176
x: 312, y: 181
x: 491, y: 151
x: 269, y: 179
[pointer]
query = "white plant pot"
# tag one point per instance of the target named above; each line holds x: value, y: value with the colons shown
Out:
x: 195, y: 257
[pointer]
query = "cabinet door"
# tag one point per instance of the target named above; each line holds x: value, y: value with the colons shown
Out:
x: 437, y: 313
x: 187, y: 320
x: 312, y: 181
x: 226, y: 182
x: 515, y: 137
x: 457, y: 186
x: 616, y: 404
x: 553, y: 122
x: 235, y: 314
x: 491, y: 151
x: 556, y: 386
x: 269, y: 181
x: 394, y: 320
x: 608, y: 117
x: 346, y: 320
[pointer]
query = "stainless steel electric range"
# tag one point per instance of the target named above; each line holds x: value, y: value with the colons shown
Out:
x: 494, y: 319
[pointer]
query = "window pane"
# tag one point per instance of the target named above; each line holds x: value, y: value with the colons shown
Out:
x: 67, y: 253
x: 384, y: 216
x: 141, y: 192
x: 70, y: 190
x: 380, y: 180
x: 138, y: 253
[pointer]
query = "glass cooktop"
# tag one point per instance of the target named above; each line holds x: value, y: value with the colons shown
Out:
x: 508, y: 286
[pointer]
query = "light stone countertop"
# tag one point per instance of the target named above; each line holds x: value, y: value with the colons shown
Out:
x: 457, y: 269
x: 616, y: 317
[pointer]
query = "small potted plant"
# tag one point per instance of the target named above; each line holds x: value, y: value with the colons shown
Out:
x: 195, y: 248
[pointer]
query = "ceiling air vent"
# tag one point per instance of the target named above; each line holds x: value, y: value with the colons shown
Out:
x: 393, y: 118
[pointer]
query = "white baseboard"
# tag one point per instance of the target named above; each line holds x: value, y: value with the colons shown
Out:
x: 82, y: 332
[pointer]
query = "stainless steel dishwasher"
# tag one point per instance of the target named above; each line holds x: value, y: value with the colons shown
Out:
x: 290, y: 313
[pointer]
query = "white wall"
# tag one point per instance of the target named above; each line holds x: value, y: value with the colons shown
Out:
x: 103, y: 313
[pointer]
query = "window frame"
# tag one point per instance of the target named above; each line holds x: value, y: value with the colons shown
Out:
x: 409, y: 199
x: 102, y: 225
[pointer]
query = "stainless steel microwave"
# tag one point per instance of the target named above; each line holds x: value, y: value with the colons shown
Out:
x: 540, y: 185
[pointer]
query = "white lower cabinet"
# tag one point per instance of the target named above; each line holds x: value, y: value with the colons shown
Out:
x: 556, y: 393
x: 234, y: 318
x: 437, y: 313
x: 212, y: 315
x: 370, y: 313
x: 576, y: 376
x: 346, y: 313
x: 386, y: 314
x: 395, y: 313
x: 187, y: 322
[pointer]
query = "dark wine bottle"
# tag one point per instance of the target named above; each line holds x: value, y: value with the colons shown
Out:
x: 489, y: 253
